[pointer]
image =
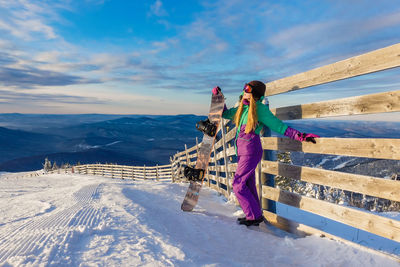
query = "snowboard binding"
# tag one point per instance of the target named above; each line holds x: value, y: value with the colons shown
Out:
x: 193, y: 174
x: 207, y: 127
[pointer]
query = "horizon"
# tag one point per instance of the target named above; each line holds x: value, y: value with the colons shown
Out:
x: 157, y: 57
x: 381, y: 117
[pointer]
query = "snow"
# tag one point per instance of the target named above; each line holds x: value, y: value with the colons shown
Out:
x: 77, y: 220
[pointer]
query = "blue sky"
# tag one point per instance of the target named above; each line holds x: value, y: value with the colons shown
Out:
x: 163, y: 57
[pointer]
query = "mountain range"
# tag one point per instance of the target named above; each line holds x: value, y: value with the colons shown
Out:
x: 132, y: 140
x: 27, y: 139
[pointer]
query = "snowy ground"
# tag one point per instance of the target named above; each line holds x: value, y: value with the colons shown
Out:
x: 74, y: 220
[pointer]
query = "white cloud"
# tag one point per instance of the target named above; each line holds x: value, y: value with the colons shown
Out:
x: 157, y: 9
x: 301, y: 40
x: 25, y: 19
x: 380, y: 22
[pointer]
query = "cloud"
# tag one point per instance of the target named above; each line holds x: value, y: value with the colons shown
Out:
x: 157, y: 9
x: 33, y: 99
x: 31, y: 77
x: 6, y: 59
x: 26, y: 20
x: 225, y: 42
x: 329, y: 35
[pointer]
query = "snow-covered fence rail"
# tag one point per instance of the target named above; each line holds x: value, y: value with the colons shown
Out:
x: 223, y: 161
x: 162, y: 172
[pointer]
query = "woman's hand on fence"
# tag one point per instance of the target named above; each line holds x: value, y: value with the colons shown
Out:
x: 309, y: 137
x: 299, y: 136
x: 216, y: 90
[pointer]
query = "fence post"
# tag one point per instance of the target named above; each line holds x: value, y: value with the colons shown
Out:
x: 227, y: 175
x: 216, y: 171
x: 264, y: 178
x: 171, y: 160
x: 144, y: 172
x: 187, y: 155
x: 122, y: 173
x: 179, y: 167
x: 197, y: 148
x: 157, y: 172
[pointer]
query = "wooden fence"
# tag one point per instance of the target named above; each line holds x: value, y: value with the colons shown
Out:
x: 223, y: 164
x: 162, y: 172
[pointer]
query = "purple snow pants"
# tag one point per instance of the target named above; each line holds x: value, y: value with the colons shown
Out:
x: 244, y: 183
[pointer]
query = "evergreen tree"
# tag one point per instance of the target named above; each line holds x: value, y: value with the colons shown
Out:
x: 280, y: 181
x: 47, y: 165
x: 55, y: 167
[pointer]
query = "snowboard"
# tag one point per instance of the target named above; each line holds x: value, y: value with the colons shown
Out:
x: 209, y: 128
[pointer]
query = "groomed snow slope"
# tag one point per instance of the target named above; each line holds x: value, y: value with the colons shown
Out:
x: 74, y: 220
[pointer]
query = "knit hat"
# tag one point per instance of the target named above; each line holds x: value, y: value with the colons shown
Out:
x: 258, y: 89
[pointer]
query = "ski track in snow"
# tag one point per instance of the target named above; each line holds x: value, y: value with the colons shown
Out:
x: 58, y: 227
x: 78, y: 220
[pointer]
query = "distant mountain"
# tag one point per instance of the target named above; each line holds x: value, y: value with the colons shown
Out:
x: 143, y: 139
x: 132, y: 140
x: 35, y: 122
x: 95, y: 155
x: 16, y: 143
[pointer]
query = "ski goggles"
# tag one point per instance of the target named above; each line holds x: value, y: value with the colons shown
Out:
x: 247, y: 88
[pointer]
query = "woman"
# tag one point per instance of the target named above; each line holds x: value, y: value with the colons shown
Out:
x: 250, y: 117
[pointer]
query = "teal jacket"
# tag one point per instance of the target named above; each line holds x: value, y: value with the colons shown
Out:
x: 265, y: 118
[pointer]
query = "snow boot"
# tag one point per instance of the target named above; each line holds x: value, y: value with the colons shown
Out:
x: 255, y: 222
x: 241, y: 219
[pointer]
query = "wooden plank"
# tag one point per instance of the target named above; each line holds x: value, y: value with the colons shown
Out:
x: 303, y: 230
x: 179, y: 154
x: 357, y: 105
x: 218, y: 144
x: 232, y: 167
x: 230, y: 135
x: 220, y: 155
x: 358, y: 147
x: 223, y: 180
x: 220, y: 168
x: 377, y: 187
x: 377, y: 60
x: 230, y: 151
x: 191, y: 156
x: 212, y: 168
x: 369, y: 222
x: 191, y: 149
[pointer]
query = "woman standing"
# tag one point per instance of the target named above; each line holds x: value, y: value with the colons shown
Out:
x: 250, y: 117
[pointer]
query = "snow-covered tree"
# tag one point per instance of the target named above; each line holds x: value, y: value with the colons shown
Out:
x: 47, y: 165
x: 55, y: 167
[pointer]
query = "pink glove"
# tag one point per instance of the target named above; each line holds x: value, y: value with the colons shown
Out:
x: 308, y: 137
x: 296, y: 135
x: 216, y: 90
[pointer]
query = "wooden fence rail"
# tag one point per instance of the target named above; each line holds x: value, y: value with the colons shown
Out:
x: 223, y: 164
x: 162, y: 172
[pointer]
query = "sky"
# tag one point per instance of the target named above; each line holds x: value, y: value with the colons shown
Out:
x: 164, y: 57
